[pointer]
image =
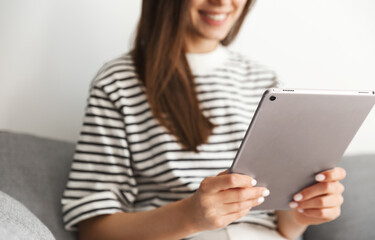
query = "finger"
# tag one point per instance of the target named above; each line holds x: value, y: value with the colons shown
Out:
x: 319, y: 189
x: 311, y: 220
x: 242, y: 194
x: 223, y: 173
x: 231, y: 208
x: 226, y: 181
x: 335, y: 174
x: 324, y: 213
x: 327, y: 201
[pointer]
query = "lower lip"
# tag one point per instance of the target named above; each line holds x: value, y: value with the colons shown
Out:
x: 211, y: 21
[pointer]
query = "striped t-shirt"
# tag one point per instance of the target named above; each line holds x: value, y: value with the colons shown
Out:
x: 125, y: 161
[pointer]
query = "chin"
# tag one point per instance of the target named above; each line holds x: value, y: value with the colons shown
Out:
x: 214, y: 35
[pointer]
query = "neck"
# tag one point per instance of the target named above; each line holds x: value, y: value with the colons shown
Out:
x: 200, y: 45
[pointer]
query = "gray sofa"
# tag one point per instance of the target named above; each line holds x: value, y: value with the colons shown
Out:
x: 33, y: 170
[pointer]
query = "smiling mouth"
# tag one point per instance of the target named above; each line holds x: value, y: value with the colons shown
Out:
x: 213, y: 17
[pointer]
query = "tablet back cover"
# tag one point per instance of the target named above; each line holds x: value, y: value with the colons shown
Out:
x: 296, y: 136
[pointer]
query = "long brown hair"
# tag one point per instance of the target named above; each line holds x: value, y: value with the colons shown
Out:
x: 162, y: 67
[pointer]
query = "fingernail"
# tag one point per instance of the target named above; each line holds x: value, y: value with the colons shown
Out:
x: 253, y: 182
x: 261, y: 199
x: 320, y: 177
x: 293, y: 204
x: 265, y: 193
x: 298, y: 197
x: 300, y: 210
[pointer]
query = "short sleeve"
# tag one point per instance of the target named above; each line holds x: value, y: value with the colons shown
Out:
x: 101, y: 179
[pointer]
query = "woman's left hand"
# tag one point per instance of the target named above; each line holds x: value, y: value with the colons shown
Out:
x: 322, y: 201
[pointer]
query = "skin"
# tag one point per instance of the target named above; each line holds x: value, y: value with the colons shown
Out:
x: 205, y: 37
x: 218, y: 201
x: 224, y: 198
x: 320, y: 203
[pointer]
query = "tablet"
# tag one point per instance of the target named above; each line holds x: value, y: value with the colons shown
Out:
x: 295, y: 134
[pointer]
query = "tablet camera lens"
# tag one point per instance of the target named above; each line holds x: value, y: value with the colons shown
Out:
x: 272, y: 98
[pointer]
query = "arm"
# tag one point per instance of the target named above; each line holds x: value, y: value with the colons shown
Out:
x: 219, y: 201
x: 171, y: 221
x: 287, y: 225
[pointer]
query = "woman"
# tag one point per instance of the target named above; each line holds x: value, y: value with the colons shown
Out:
x: 162, y: 125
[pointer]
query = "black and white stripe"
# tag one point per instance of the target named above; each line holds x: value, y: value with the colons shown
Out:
x: 126, y: 161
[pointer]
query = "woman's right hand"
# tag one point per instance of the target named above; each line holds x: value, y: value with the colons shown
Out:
x: 222, y: 199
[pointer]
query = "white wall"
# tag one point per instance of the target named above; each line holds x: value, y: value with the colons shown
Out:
x: 50, y: 50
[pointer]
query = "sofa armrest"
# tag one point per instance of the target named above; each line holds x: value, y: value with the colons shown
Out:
x: 34, y: 170
x: 358, y: 213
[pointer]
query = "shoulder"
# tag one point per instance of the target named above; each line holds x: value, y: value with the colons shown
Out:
x: 241, y: 65
x: 244, y: 62
x: 120, y: 68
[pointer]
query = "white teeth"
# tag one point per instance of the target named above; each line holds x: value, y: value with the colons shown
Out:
x: 216, y: 17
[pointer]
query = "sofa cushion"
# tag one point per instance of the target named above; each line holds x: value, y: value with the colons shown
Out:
x: 18, y: 223
x: 357, y: 213
x: 34, y: 171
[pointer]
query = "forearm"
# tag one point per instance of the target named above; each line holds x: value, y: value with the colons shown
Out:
x: 287, y: 226
x: 171, y: 221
